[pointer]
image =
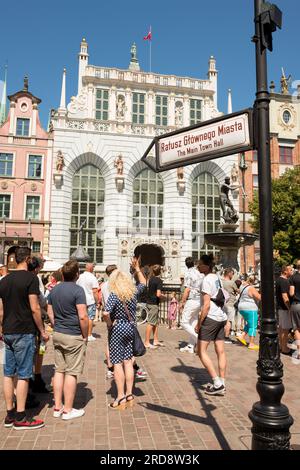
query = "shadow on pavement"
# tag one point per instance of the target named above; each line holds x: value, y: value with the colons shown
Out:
x: 197, y: 377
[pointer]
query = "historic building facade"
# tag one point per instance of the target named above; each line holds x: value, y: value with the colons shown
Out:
x: 25, y: 175
x: 284, y: 148
x: 100, y: 186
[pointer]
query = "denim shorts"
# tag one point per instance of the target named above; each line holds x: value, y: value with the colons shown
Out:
x: 19, y: 355
x: 91, y: 309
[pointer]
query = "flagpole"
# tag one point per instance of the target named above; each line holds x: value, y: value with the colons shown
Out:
x: 150, y: 52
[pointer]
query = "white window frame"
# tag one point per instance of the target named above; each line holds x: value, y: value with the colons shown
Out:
x: 25, y: 206
x: 14, y: 154
x: 30, y: 125
x: 11, y: 202
x: 27, y: 166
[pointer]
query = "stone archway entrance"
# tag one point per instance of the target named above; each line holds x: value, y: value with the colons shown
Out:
x: 150, y: 254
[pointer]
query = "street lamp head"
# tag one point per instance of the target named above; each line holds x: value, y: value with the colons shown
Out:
x: 243, y: 165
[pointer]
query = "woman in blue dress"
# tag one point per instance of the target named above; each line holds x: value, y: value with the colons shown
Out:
x: 119, y: 314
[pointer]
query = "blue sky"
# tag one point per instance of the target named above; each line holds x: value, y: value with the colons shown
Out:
x: 41, y: 37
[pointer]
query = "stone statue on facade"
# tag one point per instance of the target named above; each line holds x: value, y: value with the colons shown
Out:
x: 119, y: 165
x: 284, y: 83
x: 60, y: 162
x: 133, y: 52
x: 120, y: 107
x: 229, y: 214
x: 180, y: 173
x: 234, y: 173
x: 178, y: 114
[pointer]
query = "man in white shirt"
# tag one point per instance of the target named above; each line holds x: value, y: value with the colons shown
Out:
x: 89, y: 283
x: 191, y: 303
x: 210, y: 327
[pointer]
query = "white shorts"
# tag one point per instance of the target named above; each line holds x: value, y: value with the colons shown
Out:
x: 284, y: 319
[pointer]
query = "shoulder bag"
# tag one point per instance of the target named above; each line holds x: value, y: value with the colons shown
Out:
x: 138, y: 344
x: 236, y: 303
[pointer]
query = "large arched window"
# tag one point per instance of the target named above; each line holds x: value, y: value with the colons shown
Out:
x: 88, y: 205
x: 148, y: 200
x: 206, y: 214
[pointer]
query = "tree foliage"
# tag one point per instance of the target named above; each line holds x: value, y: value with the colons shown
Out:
x: 286, y: 215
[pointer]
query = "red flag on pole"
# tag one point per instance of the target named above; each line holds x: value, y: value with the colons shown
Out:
x: 149, y: 36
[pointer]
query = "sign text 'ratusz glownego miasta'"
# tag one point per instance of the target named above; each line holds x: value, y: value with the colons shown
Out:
x: 206, y: 141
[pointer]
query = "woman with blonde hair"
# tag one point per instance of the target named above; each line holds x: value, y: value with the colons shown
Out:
x: 247, y: 306
x: 120, y: 310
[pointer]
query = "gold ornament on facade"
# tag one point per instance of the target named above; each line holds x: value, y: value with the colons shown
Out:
x: 33, y: 187
x: 4, y: 185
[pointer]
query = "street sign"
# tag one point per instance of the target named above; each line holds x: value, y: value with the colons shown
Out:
x: 207, y: 140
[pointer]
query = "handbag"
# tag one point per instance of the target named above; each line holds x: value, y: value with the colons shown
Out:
x: 236, y: 303
x: 138, y: 346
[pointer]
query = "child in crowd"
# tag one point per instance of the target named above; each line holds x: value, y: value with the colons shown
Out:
x: 172, y: 312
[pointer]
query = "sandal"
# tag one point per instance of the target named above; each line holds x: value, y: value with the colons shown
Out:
x: 161, y: 344
x: 129, y: 401
x: 151, y: 346
x: 241, y: 340
x: 118, y: 404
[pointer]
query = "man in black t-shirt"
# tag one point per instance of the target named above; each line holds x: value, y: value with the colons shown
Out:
x: 295, y: 304
x: 154, y: 294
x: 283, y: 307
x: 20, y: 315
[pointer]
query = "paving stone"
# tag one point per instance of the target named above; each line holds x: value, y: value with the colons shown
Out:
x: 171, y: 411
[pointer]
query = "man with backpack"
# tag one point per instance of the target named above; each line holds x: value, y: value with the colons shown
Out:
x: 210, y: 327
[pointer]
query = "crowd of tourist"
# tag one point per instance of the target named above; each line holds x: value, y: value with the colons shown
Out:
x: 208, y: 306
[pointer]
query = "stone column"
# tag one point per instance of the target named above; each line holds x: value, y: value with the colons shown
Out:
x: 128, y: 105
x: 150, y: 118
x: 34, y: 119
x: 112, y: 103
x: 12, y: 118
x: 186, y: 111
x: 171, y: 110
x: 91, y: 101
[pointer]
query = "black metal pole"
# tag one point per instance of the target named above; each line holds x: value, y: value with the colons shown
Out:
x: 270, y: 418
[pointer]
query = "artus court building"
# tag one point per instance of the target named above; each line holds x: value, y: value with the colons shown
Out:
x: 100, y: 183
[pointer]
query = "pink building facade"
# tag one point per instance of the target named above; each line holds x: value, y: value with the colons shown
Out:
x: 25, y: 176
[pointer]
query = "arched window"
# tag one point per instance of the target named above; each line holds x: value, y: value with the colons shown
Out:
x: 148, y: 200
x: 88, y: 205
x: 206, y: 213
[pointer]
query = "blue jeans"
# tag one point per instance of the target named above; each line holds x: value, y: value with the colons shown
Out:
x: 19, y: 355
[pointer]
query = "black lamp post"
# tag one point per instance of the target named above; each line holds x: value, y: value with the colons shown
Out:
x: 270, y: 418
x: 243, y: 167
x: 80, y: 255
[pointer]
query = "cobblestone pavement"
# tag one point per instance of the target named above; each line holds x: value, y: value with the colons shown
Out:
x: 171, y: 410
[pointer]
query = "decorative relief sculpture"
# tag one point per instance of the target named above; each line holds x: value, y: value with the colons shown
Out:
x: 234, y: 173
x: 178, y: 113
x: 60, y: 162
x: 79, y: 103
x: 120, y: 105
x: 119, y: 165
x: 180, y: 180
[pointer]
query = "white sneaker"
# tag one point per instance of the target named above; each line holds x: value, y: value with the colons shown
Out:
x: 91, y: 338
x: 72, y: 414
x: 58, y: 413
x: 109, y: 374
x: 189, y: 348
